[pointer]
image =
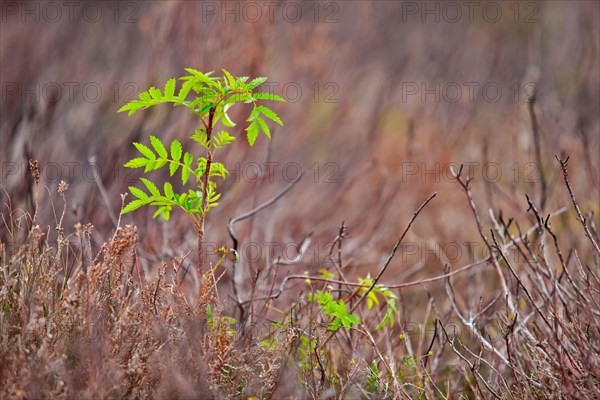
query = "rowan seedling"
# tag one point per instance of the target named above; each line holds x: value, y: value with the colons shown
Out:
x: 213, y: 97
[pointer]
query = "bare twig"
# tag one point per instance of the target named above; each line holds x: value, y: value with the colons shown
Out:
x: 98, y: 179
x: 581, y: 218
x: 234, y: 239
x: 393, y: 253
x: 465, y: 184
x: 471, y: 366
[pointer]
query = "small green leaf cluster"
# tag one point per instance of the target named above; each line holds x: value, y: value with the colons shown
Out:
x: 372, y: 384
x: 379, y: 290
x: 372, y: 299
x: 214, y: 96
x: 221, y: 323
x: 157, y: 158
x: 337, y: 310
x: 411, y: 368
x: 307, y: 348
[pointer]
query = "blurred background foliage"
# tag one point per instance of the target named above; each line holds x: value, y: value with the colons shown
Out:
x: 372, y: 150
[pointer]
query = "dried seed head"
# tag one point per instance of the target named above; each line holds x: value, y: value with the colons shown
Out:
x: 125, y: 238
x: 37, y: 233
x: 87, y: 230
x: 63, y: 187
x: 34, y: 167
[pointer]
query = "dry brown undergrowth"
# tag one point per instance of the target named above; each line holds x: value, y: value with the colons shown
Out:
x: 73, y: 326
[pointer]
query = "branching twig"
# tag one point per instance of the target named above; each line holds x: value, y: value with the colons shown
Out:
x: 98, y: 179
x: 471, y: 366
x: 234, y: 239
x: 393, y: 253
x: 390, y: 286
x: 581, y: 218
x: 467, y: 189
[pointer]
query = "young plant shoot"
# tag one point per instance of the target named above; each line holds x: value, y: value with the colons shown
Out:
x: 212, y: 97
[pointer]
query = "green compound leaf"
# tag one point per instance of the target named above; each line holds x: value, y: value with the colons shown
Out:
x: 132, y: 206
x: 254, y: 114
x: 139, y: 193
x: 176, y: 150
x: 185, y: 172
x: 151, y: 187
x: 256, y: 82
x: 185, y: 89
x: 267, y: 96
x: 170, y: 88
x: 168, y: 190
x: 158, y: 212
x: 223, y: 138
x: 173, y: 166
x: 214, y: 96
x: 198, y: 75
x: 264, y: 127
x: 158, y: 147
x: 136, y: 162
x: 267, y: 112
x: 132, y: 107
x: 205, y: 108
x: 155, y: 93
x: 200, y: 137
x: 217, y: 169
x: 230, y: 79
x: 145, y: 98
x: 252, y: 133
x: 165, y: 211
x: 145, y: 151
x: 154, y: 165
x: 201, y: 167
